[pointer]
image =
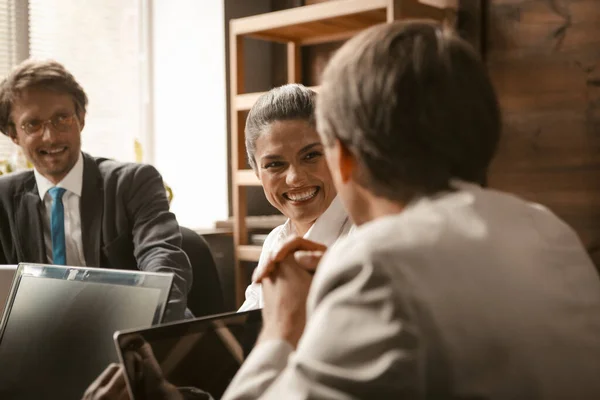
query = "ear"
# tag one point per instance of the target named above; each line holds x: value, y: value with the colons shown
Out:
x: 81, y: 119
x: 255, y: 168
x: 257, y: 173
x: 13, y: 136
x: 346, y: 161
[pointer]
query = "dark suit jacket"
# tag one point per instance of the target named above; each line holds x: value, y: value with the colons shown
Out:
x: 125, y: 223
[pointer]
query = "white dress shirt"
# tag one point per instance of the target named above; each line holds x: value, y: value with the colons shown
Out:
x: 470, y: 294
x: 332, y: 225
x: 73, y: 183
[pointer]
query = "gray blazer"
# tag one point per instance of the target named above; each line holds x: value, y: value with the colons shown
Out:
x: 125, y: 223
x: 472, y: 295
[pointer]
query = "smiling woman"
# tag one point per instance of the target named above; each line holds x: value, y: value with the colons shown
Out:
x: 287, y: 156
x: 292, y: 170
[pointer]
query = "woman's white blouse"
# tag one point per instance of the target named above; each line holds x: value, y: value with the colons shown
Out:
x: 332, y: 225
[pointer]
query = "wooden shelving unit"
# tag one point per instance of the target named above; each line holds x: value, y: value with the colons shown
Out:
x: 313, y: 24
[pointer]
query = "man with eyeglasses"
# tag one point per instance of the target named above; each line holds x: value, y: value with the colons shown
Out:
x: 74, y: 209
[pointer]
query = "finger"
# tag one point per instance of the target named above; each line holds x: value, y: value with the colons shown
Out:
x: 289, y: 247
x: 109, y: 373
x: 150, y: 366
x: 117, y: 383
x: 295, y: 244
x: 132, y: 342
x: 109, y: 393
x: 267, y: 292
x: 267, y: 283
x: 146, y: 352
x: 261, y: 268
x: 269, y: 268
x: 309, y: 260
x: 103, y: 379
x: 124, y: 394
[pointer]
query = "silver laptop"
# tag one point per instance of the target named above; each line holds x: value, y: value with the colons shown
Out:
x: 7, y: 273
x: 56, y: 333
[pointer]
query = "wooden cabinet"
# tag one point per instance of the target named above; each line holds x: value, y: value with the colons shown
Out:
x: 325, y: 21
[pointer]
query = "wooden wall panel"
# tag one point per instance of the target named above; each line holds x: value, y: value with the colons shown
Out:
x: 259, y: 77
x: 544, y: 58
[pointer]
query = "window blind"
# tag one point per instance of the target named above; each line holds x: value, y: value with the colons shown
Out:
x: 99, y: 42
x: 8, y: 56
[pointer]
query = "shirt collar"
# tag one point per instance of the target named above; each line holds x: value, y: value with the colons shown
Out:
x: 73, y: 181
x: 326, y: 229
x: 328, y: 226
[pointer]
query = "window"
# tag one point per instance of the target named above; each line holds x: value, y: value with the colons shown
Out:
x: 13, y: 48
x: 101, y: 43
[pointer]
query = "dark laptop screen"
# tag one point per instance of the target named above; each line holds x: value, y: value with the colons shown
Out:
x: 7, y: 273
x: 57, y: 337
x: 198, y: 355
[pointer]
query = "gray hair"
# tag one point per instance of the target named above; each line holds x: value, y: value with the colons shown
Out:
x: 288, y: 102
x: 414, y: 104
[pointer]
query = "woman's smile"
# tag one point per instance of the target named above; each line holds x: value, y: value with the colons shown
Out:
x: 301, y: 196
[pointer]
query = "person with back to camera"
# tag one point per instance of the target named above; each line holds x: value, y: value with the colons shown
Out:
x: 446, y: 289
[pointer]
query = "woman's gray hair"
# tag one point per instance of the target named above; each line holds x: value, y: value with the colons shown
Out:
x: 288, y: 102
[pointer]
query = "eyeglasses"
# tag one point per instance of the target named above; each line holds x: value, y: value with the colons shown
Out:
x: 60, y: 122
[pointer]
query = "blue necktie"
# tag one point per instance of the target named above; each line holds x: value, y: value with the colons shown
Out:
x: 57, y: 227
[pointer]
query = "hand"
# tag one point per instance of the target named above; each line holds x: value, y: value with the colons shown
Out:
x: 110, y: 385
x: 307, y: 254
x: 146, y: 376
x: 285, y: 293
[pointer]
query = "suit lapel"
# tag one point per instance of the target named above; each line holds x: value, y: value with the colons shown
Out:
x: 27, y: 204
x: 91, y: 206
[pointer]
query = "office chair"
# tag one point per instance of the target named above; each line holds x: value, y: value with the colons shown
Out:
x: 206, y: 295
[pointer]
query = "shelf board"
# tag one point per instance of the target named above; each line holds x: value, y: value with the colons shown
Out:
x: 245, y: 101
x: 318, y: 23
x: 246, y: 177
x: 228, y: 231
x: 249, y: 253
x: 266, y: 222
x: 448, y: 4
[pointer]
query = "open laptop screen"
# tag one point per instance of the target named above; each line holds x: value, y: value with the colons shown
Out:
x: 201, y: 355
x: 58, y: 327
x: 7, y: 273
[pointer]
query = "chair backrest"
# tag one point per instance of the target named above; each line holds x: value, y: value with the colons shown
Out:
x: 206, y: 295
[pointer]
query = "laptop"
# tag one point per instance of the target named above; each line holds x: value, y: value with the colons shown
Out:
x: 7, y: 273
x: 56, y: 332
x: 200, y: 357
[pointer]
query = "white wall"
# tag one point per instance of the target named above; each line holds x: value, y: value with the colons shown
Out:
x: 190, y: 144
